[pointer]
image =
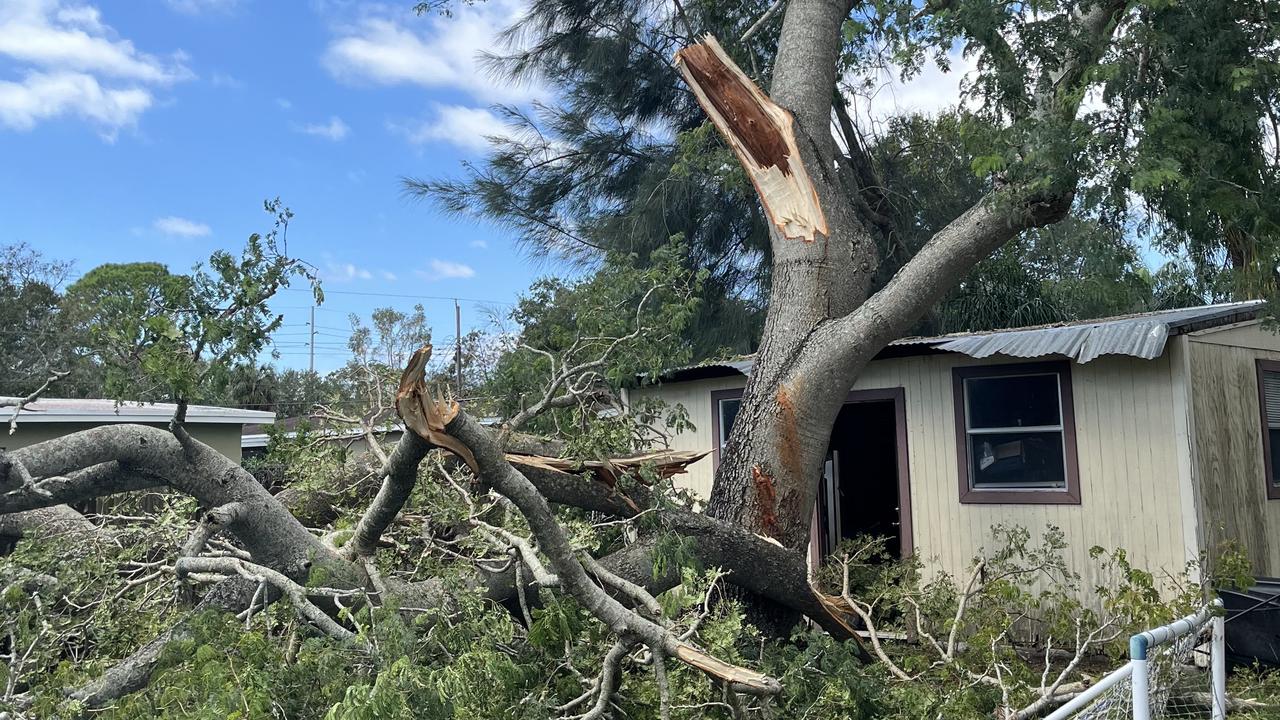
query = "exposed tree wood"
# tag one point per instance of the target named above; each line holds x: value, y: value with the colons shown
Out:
x: 423, y: 414
x: 761, y: 134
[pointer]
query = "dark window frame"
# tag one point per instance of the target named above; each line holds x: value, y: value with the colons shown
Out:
x: 1265, y: 366
x: 1070, y: 495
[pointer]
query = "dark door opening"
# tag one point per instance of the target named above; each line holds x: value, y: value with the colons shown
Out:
x: 864, y: 489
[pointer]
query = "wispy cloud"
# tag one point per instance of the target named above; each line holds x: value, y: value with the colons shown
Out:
x: 445, y: 270
x: 284, y: 103
x: 223, y: 80
x: 430, y: 52
x: 198, y: 7
x: 345, y: 272
x: 929, y: 91
x: 466, y: 127
x: 70, y: 62
x: 334, y: 130
x: 482, y: 244
x: 181, y: 227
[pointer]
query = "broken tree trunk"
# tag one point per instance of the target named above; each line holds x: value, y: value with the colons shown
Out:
x: 822, y: 261
x: 761, y: 134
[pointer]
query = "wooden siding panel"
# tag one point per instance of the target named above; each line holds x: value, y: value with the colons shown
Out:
x: 1229, y: 465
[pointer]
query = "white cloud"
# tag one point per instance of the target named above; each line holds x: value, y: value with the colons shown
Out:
x: 388, y: 276
x: 197, y: 7
x: 284, y: 103
x: 71, y: 63
x: 467, y: 127
x: 482, y: 244
x: 41, y: 96
x: 334, y: 130
x: 930, y: 91
x: 345, y: 272
x: 181, y: 227
x: 431, y: 52
x: 223, y: 80
x: 445, y: 270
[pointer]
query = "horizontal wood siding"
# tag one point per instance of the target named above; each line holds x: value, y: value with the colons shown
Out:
x: 1125, y: 430
x: 1228, y: 435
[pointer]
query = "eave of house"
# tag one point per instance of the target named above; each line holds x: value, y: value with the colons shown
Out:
x: 1142, y: 335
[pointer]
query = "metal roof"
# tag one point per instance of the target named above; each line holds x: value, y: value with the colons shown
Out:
x: 95, y: 410
x: 1141, y: 335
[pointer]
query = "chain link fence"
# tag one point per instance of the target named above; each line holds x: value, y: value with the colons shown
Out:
x: 1175, y: 671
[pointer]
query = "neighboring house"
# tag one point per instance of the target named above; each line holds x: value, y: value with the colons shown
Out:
x: 255, y: 438
x: 49, y: 418
x: 1158, y: 433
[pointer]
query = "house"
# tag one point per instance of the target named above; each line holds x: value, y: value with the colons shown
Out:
x: 1158, y: 433
x: 48, y: 418
x: 255, y: 438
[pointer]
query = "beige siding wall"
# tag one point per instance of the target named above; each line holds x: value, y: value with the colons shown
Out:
x: 223, y: 437
x: 1230, y: 476
x: 1126, y: 429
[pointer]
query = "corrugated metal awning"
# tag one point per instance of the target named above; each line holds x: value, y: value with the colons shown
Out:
x: 1142, y: 335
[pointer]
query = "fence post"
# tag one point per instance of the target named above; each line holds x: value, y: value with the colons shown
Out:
x: 1218, y: 663
x: 1141, y: 692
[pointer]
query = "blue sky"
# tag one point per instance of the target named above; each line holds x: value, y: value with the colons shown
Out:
x: 153, y: 130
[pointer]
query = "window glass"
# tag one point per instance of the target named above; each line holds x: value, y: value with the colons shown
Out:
x: 1014, y: 432
x: 1013, y: 401
x: 728, y: 413
x: 1018, y: 459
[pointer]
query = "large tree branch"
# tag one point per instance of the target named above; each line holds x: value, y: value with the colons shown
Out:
x: 58, y: 521
x: 555, y: 544
x: 399, y: 475
x: 268, y: 531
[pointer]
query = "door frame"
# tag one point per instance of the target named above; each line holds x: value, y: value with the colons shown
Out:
x: 896, y: 395
x: 906, y: 538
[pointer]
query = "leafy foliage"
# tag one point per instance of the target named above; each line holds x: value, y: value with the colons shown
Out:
x: 166, y: 336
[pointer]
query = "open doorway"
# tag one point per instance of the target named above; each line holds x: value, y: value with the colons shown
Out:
x: 865, y: 488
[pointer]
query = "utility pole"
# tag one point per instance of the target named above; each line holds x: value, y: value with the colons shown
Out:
x: 311, y: 373
x: 312, y: 343
x: 457, y: 335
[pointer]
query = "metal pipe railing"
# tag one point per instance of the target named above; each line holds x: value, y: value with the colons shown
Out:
x: 1143, y: 642
x: 1138, y: 672
x: 1082, y: 700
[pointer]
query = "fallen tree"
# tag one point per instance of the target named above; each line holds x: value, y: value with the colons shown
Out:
x: 585, y: 554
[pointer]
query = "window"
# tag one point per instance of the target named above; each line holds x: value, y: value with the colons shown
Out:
x: 724, y: 410
x: 1015, y: 434
x: 1269, y: 402
x: 728, y: 411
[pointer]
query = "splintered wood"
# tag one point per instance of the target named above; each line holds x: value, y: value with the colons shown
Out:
x: 425, y: 415
x: 761, y: 133
x: 664, y: 463
x: 739, y: 679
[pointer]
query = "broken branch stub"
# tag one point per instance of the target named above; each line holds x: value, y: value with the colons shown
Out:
x: 762, y: 135
x: 424, y: 415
